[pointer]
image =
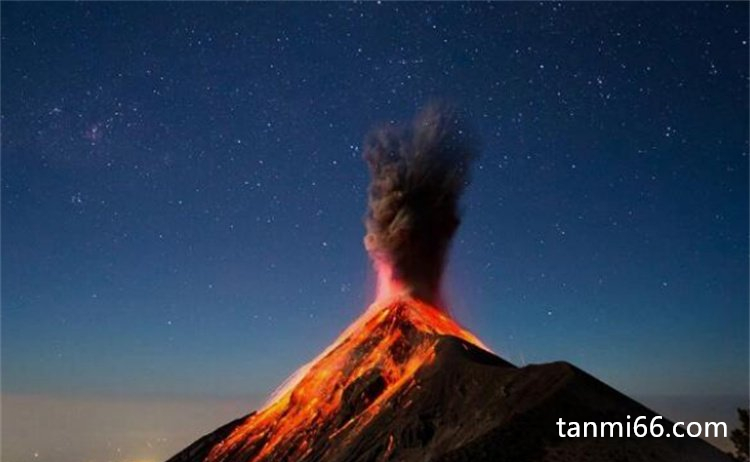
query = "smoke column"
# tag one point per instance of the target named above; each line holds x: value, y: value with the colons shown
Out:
x: 418, y: 173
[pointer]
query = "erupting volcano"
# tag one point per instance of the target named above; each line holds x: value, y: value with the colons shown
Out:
x: 405, y: 382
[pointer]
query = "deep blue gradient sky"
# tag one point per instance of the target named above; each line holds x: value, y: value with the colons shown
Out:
x: 183, y: 189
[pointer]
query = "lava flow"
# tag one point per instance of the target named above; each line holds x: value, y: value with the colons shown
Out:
x: 340, y: 391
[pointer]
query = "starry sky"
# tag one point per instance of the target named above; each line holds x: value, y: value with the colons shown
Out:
x: 183, y: 189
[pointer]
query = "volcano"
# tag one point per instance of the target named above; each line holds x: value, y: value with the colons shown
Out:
x: 406, y: 383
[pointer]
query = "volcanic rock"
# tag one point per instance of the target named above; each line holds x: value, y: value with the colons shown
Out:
x: 405, y: 383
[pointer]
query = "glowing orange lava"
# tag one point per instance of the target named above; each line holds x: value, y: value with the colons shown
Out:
x: 344, y: 387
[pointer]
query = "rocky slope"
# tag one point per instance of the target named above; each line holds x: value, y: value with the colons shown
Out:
x: 406, y: 383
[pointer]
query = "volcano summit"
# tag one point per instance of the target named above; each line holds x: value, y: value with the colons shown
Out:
x: 405, y: 382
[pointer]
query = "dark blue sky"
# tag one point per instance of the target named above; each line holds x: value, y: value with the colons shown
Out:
x: 183, y: 189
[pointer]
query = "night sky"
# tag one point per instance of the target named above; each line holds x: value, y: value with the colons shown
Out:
x: 183, y: 188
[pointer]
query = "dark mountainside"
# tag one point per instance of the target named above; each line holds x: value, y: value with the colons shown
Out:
x: 407, y: 384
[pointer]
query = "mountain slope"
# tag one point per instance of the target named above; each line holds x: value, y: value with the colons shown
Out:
x: 406, y: 383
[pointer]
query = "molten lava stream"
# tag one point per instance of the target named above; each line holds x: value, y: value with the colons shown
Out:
x: 343, y: 388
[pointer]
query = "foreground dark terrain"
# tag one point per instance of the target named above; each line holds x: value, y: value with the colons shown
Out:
x: 407, y: 384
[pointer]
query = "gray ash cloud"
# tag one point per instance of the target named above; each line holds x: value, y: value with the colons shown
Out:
x: 418, y: 173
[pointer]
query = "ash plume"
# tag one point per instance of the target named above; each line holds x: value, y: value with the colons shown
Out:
x: 418, y: 173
